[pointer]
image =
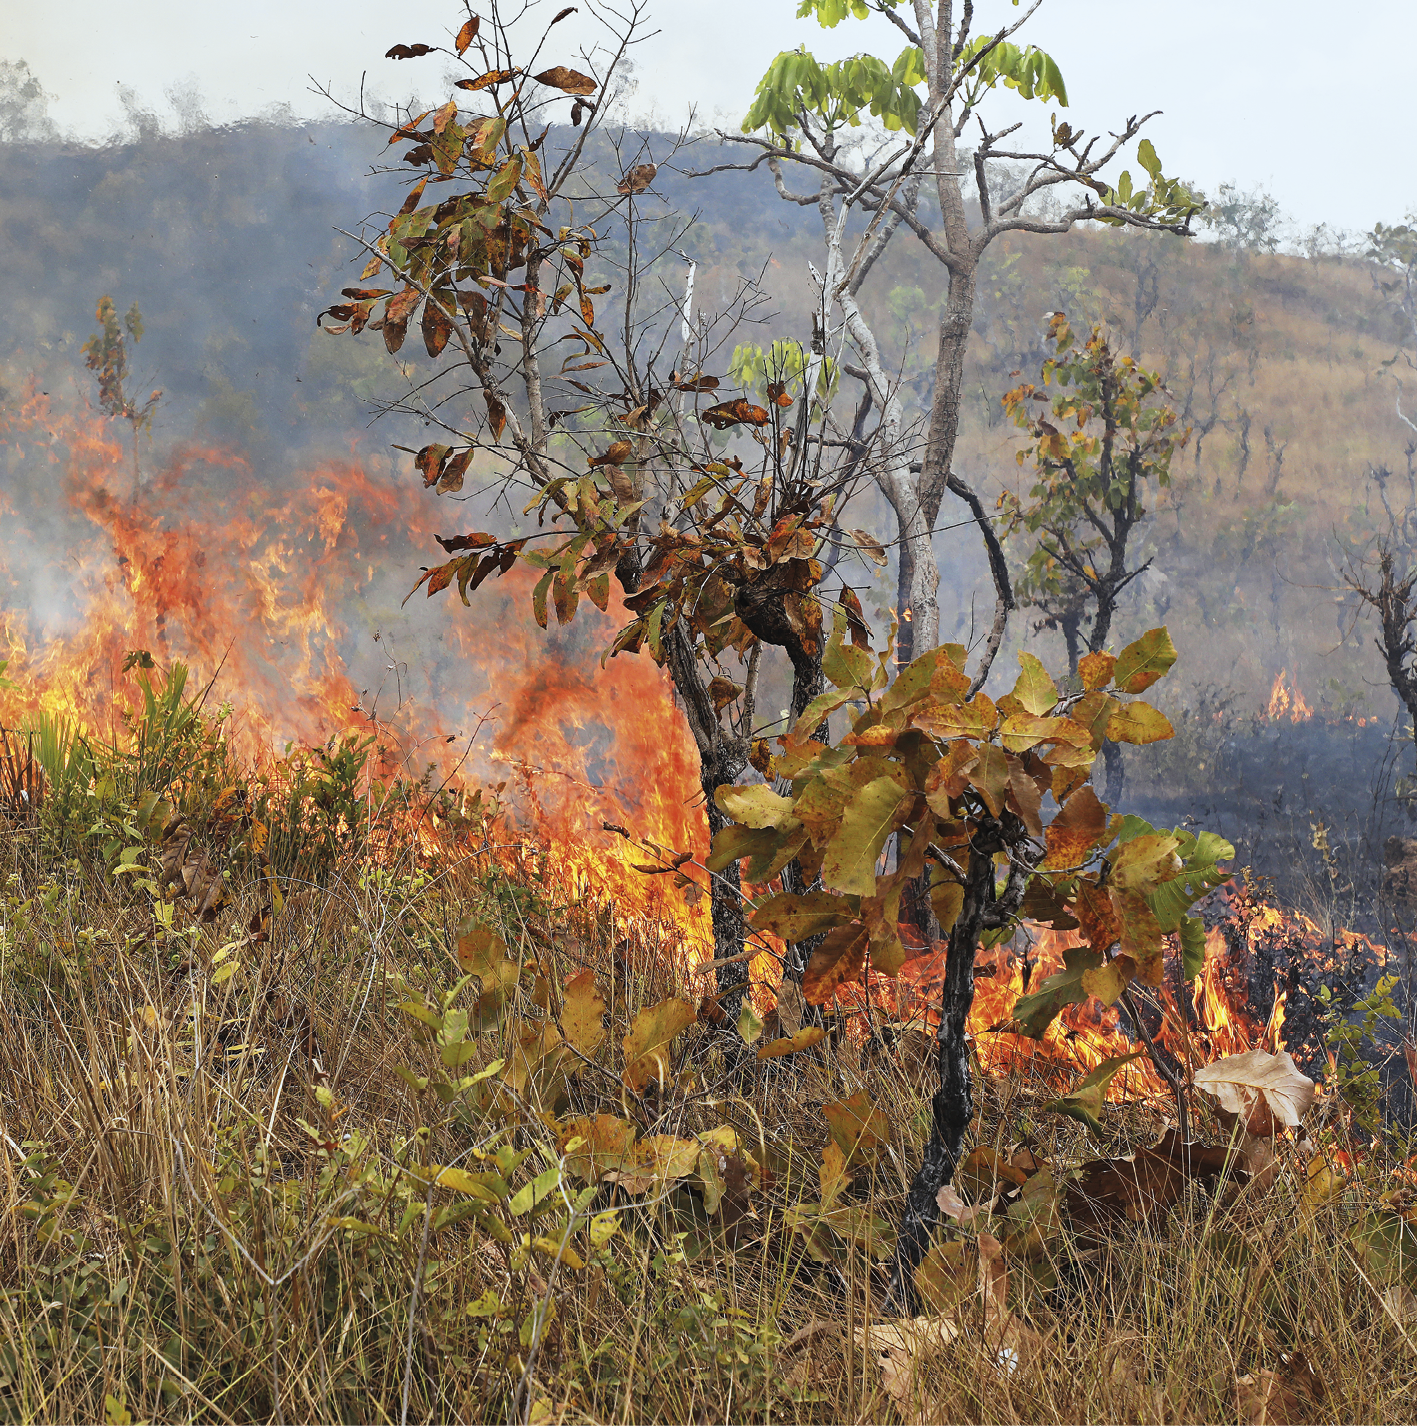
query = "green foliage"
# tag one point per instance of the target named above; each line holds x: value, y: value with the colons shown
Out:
x: 838, y: 94
x: 1354, y: 1076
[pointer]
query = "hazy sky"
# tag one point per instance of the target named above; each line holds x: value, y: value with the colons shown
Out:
x: 1313, y: 102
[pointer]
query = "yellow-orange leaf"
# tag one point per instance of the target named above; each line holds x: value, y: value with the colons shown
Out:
x: 1074, y: 832
x: 804, y: 1039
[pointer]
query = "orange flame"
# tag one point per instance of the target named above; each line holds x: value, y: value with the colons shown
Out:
x: 1284, y: 703
x: 259, y: 583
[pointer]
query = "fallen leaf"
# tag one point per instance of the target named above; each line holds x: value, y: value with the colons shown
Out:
x: 1283, y: 1398
x: 1267, y: 1091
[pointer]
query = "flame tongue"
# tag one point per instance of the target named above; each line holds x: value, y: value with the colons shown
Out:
x: 261, y: 583
x: 1286, y: 703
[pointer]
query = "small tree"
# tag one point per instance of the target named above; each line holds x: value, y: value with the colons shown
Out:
x: 717, y: 517
x: 106, y: 355
x: 963, y: 782
x: 1101, y: 450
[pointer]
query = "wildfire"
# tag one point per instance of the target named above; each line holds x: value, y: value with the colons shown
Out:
x: 1285, y: 702
x: 270, y: 586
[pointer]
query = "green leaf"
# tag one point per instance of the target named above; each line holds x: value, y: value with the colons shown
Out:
x: 768, y: 849
x: 1192, y: 946
x: 1199, y: 874
x: 750, y: 1023
x: 1146, y: 156
x: 1085, y: 1099
x: 849, y: 864
x: 1034, y: 1013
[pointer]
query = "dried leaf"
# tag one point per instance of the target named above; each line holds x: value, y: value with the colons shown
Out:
x: 647, y: 1045
x: 581, y: 1013
x: 636, y: 181
x: 1267, y: 1091
x: 572, y: 81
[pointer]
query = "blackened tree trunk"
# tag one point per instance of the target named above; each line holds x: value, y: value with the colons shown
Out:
x: 952, y: 1106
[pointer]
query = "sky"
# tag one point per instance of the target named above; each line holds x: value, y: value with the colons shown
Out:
x: 1313, y: 103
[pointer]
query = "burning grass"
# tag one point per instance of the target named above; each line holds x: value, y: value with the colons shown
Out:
x: 220, y: 1201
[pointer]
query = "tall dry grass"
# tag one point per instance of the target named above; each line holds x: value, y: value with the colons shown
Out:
x: 176, y: 1150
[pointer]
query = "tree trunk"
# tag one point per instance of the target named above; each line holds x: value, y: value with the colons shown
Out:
x: 952, y: 1106
x: 721, y: 759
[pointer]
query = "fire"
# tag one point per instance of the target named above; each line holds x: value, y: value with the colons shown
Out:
x: 270, y: 586
x: 1287, y: 703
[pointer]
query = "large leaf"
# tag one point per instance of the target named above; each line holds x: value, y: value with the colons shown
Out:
x: 754, y: 806
x: 840, y: 958
x: 1200, y: 873
x: 1074, y: 833
x: 796, y: 917
x: 1140, y: 664
x: 802, y: 1039
x: 849, y: 864
x: 1140, y: 1185
x: 1139, y: 723
x: 581, y: 1014
x: 861, y: 1130
x: 1144, y: 862
x: 651, y: 1033
x: 1267, y: 1091
x: 1034, y: 690
x: 1035, y: 1012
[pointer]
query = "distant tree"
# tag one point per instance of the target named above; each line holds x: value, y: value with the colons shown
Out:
x: 1394, y: 251
x: 1245, y: 222
x: 24, y: 106
x: 1101, y: 451
x: 106, y: 355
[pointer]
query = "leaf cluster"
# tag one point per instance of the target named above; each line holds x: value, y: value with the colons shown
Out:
x: 961, y: 781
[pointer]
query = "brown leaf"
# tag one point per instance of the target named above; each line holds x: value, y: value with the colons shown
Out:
x: 617, y: 453
x: 638, y: 178
x: 483, y: 81
x: 430, y: 461
x: 724, y: 691
x: 840, y: 958
x: 1287, y: 1397
x: 496, y: 415
x: 408, y: 51
x: 1145, y: 1183
x: 733, y: 413
x: 1074, y: 832
x: 572, y: 81
x: 437, y: 328
x: 581, y: 1013
x: 1267, y: 1091
x: 468, y: 33
x: 397, y: 311
x: 694, y: 383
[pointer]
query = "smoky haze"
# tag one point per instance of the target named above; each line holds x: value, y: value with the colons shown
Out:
x: 1271, y: 340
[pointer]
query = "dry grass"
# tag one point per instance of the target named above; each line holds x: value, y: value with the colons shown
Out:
x: 171, y: 1168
